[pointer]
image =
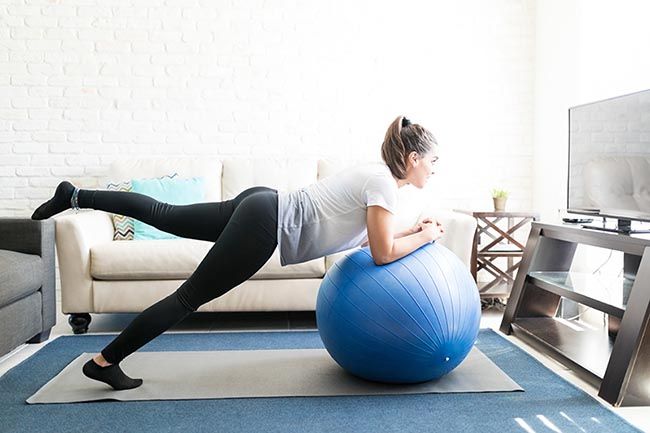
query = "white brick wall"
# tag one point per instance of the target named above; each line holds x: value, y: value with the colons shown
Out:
x: 84, y: 82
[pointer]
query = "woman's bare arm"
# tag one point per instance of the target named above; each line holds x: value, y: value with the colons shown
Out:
x: 404, y: 233
x: 406, y: 245
x: 385, y: 247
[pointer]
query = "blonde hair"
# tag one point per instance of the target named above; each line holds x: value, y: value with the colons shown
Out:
x: 402, y: 138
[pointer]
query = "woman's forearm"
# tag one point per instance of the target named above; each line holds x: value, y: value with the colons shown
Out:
x: 403, y: 233
x: 406, y: 245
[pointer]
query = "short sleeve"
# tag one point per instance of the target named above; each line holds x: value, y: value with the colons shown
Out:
x: 381, y: 191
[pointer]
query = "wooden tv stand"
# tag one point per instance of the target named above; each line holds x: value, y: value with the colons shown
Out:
x: 617, y: 361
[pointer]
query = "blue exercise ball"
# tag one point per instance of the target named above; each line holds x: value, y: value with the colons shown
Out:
x: 409, y: 321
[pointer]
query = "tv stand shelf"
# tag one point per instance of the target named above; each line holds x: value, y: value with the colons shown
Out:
x: 617, y: 360
x: 585, y: 348
x: 586, y: 289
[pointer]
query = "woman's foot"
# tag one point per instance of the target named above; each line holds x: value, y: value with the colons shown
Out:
x: 110, y: 374
x: 57, y: 204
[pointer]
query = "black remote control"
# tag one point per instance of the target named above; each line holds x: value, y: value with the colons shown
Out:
x: 578, y: 220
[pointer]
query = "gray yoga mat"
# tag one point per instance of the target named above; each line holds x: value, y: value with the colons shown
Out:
x: 255, y: 373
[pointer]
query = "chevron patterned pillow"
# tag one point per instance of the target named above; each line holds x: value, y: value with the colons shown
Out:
x: 123, y: 225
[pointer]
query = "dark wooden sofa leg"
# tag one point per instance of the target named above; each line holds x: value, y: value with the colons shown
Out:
x: 79, y: 322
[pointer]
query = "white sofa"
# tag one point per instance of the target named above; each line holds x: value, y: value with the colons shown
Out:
x: 100, y: 275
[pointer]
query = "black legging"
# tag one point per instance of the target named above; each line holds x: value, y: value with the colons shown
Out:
x: 243, y: 230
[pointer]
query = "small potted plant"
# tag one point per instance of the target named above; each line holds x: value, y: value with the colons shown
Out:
x: 499, y: 197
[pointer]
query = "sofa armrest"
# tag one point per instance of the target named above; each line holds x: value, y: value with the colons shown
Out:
x: 459, y: 232
x: 27, y: 236
x: 76, y: 234
x: 36, y: 237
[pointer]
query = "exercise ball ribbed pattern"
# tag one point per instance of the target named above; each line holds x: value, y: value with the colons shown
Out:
x: 409, y: 321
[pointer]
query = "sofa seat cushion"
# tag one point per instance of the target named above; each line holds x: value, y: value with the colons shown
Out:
x: 169, y: 259
x: 20, y: 275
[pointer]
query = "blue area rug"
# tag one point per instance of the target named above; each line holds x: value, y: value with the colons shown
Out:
x: 549, y: 404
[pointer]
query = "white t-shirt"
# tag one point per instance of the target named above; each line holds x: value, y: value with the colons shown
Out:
x: 329, y: 216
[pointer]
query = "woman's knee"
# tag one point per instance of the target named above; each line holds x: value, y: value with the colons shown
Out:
x: 249, y: 192
x: 258, y: 212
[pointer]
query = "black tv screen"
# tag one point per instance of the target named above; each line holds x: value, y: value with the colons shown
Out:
x: 609, y: 157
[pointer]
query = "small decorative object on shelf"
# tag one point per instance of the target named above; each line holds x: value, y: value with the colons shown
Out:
x: 499, y: 197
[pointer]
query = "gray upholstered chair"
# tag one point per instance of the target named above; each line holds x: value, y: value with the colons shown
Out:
x: 27, y: 282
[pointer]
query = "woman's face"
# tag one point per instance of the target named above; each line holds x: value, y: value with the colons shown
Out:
x: 421, y: 168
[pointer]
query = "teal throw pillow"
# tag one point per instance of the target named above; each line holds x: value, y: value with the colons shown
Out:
x: 172, y: 191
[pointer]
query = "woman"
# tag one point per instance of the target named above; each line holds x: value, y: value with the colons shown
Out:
x: 328, y: 216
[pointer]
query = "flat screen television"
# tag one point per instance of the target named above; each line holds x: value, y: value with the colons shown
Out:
x: 609, y: 159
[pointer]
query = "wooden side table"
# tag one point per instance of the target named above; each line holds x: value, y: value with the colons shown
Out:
x: 502, y: 244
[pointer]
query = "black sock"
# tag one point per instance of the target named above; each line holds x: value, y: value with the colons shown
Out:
x: 58, y: 203
x: 112, y: 375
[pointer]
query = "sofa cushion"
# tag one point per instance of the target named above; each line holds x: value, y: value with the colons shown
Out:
x: 20, y: 321
x: 278, y: 173
x: 20, y: 275
x: 167, y: 259
x: 207, y: 168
